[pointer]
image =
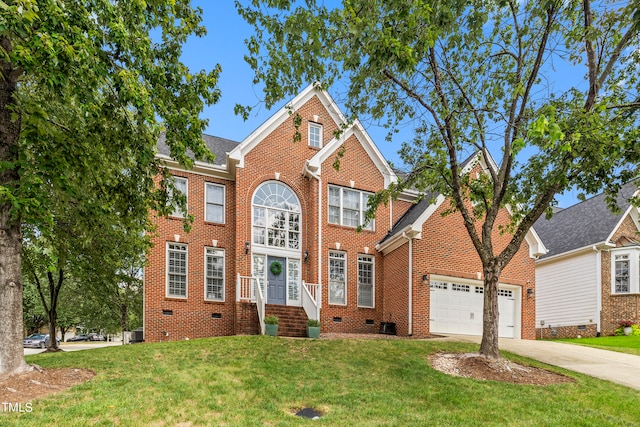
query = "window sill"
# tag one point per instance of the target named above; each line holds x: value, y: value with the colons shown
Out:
x: 174, y: 298
x: 214, y: 223
x: 212, y: 301
x: 347, y: 227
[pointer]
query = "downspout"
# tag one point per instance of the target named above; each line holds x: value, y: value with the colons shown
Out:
x: 319, y: 279
x: 598, y: 289
x: 410, y: 319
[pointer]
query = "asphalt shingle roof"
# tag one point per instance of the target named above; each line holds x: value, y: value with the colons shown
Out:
x: 586, y: 223
x: 218, y: 146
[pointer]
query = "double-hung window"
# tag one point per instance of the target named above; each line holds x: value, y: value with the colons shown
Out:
x: 180, y: 185
x: 622, y: 274
x: 337, y: 278
x: 177, y: 270
x: 315, y: 135
x: 214, y: 280
x: 214, y: 195
x: 625, y: 270
x: 347, y: 207
x: 366, y: 281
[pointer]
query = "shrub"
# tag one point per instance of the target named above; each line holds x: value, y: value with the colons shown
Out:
x: 620, y: 330
x: 271, y: 320
x: 313, y: 323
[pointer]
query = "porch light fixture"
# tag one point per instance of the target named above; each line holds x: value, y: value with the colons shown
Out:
x: 247, y: 245
x: 305, y: 256
x: 530, y: 292
x: 425, y: 278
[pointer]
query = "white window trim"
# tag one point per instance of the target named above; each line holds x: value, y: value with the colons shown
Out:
x: 224, y: 273
x: 633, y: 254
x: 373, y: 280
x: 277, y: 250
x: 224, y: 203
x: 289, y: 301
x: 371, y: 226
x: 316, y: 126
x: 176, y: 213
x: 344, y: 260
x: 186, y: 272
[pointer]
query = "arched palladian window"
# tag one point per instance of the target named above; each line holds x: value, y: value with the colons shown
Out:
x: 276, y: 216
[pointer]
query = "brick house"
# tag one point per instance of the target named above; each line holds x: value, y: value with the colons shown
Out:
x: 589, y: 281
x: 275, y: 232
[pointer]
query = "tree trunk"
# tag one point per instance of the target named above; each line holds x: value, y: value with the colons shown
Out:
x: 489, y: 344
x: 52, y: 312
x: 123, y: 318
x: 11, y: 322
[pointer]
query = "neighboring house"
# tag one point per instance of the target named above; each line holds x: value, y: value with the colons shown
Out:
x: 589, y: 280
x: 275, y: 232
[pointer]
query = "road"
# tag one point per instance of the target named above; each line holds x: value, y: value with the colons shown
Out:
x: 75, y: 346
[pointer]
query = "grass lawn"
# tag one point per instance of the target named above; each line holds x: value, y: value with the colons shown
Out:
x: 622, y: 344
x: 259, y: 380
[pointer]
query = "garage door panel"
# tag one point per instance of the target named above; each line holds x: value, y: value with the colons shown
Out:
x: 457, y: 308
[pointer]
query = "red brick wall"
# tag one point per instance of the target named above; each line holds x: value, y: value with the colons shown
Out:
x: 355, y: 166
x: 191, y: 317
x: 617, y: 307
x: 454, y: 255
x: 396, y: 279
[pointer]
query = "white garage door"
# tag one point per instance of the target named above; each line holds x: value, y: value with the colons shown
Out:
x: 456, y: 308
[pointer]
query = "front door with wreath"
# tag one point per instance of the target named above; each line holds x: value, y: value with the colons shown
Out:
x: 276, y: 280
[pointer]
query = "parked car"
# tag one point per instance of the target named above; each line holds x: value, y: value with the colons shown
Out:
x: 95, y: 337
x: 87, y: 337
x: 37, y: 341
x: 82, y: 337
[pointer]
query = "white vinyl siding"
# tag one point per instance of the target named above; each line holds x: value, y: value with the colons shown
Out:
x: 214, y: 202
x: 177, y: 261
x: 315, y: 135
x: 347, y: 207
x: 366, y: 281
x: 181, y: 186
x: 214, y: 279
x: 567, y: 291
x: 337, y: 278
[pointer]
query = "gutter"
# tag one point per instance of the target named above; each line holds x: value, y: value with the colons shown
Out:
x: 410, y: 316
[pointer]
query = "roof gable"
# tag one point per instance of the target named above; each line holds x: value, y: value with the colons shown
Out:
x: 314, y: 165
x: 238, y: 153
x: 410, y: 224
x: 584, y: 224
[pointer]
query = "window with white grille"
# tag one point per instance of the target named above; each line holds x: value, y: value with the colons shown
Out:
x: 438, y: 285
x: 337, y: 278
x: 176, y: 270
x: 214, y: 195
x: 315, y: 135
x: 460, y: 288
x: 365, y: 281
x: 347, y: 207
x: 180, y: 186
x: 214, y: 280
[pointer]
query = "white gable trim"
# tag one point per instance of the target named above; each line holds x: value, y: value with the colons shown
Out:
x: 413, y: 230
x: 314, y: 165
x: 622, y: 218
x: 237, y: 154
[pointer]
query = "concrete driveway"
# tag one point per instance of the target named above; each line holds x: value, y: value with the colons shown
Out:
x: 617, y: 367
x: 68, y: 346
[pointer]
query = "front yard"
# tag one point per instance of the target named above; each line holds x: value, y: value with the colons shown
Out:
x: 259, y: 380
x: 623, y: 344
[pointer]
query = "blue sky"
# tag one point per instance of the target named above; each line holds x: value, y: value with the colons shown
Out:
x: 224, y: 45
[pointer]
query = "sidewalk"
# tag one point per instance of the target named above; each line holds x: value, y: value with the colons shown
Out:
x: 617, y: 367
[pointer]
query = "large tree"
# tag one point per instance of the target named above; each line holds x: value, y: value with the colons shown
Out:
x: 548, y: 88
x: 85, y: 89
